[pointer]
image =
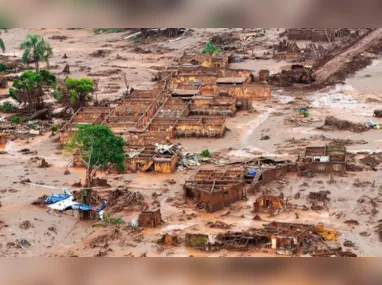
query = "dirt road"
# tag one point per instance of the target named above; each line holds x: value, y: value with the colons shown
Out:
x: 337, y: 62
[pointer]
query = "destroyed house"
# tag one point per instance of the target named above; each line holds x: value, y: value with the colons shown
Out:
x: 269, y: 204
x: 212, y: 190
x: 3, y: 138
x: 315, y: 35
x: 325, y: 159
x: 205, y: 60
x: 150, y: 218
x: 284, y: 238
x: 149, y: 158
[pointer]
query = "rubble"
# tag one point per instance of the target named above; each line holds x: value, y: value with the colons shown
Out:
x: 170, y: 240
x: 343, y: 125
x: 38, y: 162
x: 124, y: 200
x: 25, y: 225
x: 218, y: 224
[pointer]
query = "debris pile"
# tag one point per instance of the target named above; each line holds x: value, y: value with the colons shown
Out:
x: 378, y: 113
x: 122, y: 199
x: 366, y: 206
x: 38, y: 162
x: 218, y: 225
x: 100, y: 53
x: 343, y: 125
x: 170, y: 240
x: 25, y: 225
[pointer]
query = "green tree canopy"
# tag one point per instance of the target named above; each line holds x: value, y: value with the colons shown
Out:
x: 211, y: 49
x: 98, y: 148
x: 2, y: 46
x: 29, y: 88
x: 36, y: 49
x: 76, y: 92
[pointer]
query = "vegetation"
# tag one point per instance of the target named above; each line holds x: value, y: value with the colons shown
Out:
x: 304, y: 112
x: 99, y: 148
x: 15, y: 119
x: 2, y: 45
x: 29, y: 88
x: 205, y: 153
x: 114, y: 221
x: 54, y: 128
x: 36, y: 49
x: 211, y: 49
x: 7, y: 107
x: 108, y: 30
x: 76, y: 92
x: 3, y: 67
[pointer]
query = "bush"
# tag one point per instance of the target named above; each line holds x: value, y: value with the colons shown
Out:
x: 7, y: 107
x: 211, y: 49
x: 15, y: 119
x: 205, y: 153
x: 114, y: 221
x: 108, y: 30
x: 54, y: 128
x: 3, y: 67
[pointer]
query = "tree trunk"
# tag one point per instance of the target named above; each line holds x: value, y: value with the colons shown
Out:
x: 36, y: 64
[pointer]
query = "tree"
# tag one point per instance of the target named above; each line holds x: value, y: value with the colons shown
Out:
x: 76, y: 92
x: 36, y: 49
x: 98, y: 148
x: 2, y: 46
x: 29, y: 88
x: 211, y: 49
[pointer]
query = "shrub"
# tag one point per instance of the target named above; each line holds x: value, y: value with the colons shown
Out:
x: 211, y: 49
x: 205, y: 153
x: 108, y: 30
x: 3, y: 67
x: 7, y: 107
x: 114, y: 221
x: 54, y: 128
x: 15, y: 119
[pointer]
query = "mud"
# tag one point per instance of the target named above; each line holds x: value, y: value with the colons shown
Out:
x: 354, y: 196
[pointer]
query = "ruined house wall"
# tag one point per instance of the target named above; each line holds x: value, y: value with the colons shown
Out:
x: 133, y: 108
x: 135, y: 163
x: 213, y: 107
x: 272, y: 174
x: 167, y: 165
x: 207, y: 128
x: 188, y: 79
x: 286, y: 56
x: 250, y: 91
x: 150, y: 219
x: 324, y: 167
x: 3, y: 138
x: 147, y: 138
x: 260, y: 204
x: 218, y: 199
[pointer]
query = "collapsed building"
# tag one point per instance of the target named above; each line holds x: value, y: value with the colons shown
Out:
x: 270, y: 204
x: 316, y: 35
x: 284, y: 238
x: 213, y: 190
x: 325, y: 159
x: 148, y: 158
x: 205, y: 60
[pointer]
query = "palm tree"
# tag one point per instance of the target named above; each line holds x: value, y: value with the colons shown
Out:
x: 36, y: 49
x: 2, y: 46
